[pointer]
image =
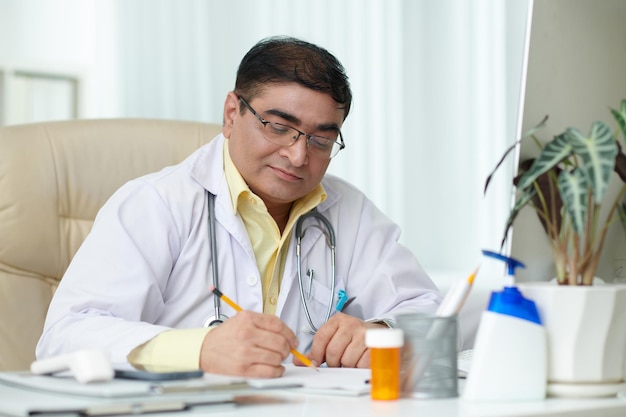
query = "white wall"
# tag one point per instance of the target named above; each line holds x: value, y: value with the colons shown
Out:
x: 76, y: 37
x: 461, y: 112
x: 432, y: 112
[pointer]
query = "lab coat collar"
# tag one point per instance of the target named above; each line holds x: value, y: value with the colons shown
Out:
x: 208, y: 166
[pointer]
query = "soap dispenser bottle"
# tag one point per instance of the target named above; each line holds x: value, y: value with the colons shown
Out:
x: 509, y: 362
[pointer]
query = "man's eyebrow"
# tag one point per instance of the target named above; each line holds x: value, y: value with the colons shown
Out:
x: 283, y: 115
x: 325, y: 127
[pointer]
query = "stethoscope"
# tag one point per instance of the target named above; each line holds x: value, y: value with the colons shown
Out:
x: 218, y: 317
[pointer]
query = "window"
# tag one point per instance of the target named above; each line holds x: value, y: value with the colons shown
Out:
x: 32, y: 96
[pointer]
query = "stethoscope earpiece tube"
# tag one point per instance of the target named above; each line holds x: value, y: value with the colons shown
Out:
x: 331, y: 242
x: 213, y: 244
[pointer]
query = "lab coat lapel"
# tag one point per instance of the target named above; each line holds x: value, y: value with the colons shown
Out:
x: 231, y: 222
x: 209, y: 172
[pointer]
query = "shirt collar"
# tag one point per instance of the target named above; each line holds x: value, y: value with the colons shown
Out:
x: 238, y: 187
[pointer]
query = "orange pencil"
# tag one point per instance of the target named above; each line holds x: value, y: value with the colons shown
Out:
x: 235, y: 306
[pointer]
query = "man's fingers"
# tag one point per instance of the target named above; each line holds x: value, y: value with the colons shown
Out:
x: 258, y: 363
x: 345, y: 354
x: 249, y: 344
x: 364, y: 360
x: 272, y: 324
x: 321, y: 340
x: 341, y: 342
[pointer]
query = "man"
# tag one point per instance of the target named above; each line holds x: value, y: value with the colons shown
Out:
x: 139, y: 286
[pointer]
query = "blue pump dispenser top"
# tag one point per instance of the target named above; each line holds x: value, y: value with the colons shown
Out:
x: 510, y: 300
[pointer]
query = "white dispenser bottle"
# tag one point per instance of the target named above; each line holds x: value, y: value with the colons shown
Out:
x: 509, y: 362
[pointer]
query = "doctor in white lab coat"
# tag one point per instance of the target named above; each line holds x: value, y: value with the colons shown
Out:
x: 139, y: 286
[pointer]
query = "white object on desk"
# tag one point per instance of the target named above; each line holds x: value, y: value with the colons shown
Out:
x: 498, y: 371
x: 85, y: 365
x: 455, y: 298
x: 464, y: 362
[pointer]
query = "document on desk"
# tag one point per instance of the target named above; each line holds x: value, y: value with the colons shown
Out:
x: 24, y: 394
x: 334, y: 381
x: 68, y: 385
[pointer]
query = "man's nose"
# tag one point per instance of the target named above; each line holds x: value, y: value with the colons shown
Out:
x: 297, y: 152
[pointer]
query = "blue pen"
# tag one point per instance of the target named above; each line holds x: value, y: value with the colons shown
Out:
x: 342, y: 297
x: 343, y: 301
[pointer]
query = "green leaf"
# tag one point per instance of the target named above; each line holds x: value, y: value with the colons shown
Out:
x: 522, y: 201
x: 526, y: 134
x: 574, y: 189
x: 597, y: 152
x: 620, y: 163
x: 554, y: 152
x: 620, y: 117
x: 545, y: 200
x: 621, y: 209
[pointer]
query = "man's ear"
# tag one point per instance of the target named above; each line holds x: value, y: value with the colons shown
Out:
x: 231, y: 109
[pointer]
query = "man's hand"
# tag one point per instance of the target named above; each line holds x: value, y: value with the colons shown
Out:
x: 340, y: 342
x: 248, y: 344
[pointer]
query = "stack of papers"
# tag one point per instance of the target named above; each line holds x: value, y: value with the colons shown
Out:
x: 26, y: 394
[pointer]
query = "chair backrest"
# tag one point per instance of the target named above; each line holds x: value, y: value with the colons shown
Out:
x: 54, y: 177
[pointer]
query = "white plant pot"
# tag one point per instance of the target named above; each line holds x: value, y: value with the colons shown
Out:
x: 586, y: 327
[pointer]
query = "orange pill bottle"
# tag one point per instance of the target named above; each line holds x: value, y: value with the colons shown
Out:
x: 385, y: 346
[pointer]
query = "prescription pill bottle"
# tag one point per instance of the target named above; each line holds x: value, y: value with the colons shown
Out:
x: 385, y: 345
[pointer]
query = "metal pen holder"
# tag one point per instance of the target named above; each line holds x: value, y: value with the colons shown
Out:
x: 429, y: 357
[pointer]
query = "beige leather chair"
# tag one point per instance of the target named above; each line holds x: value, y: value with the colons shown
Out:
x: 54, y: 177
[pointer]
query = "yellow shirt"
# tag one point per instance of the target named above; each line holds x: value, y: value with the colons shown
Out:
x: 180, y: 348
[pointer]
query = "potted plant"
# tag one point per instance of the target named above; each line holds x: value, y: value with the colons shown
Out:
x: 566, y: 185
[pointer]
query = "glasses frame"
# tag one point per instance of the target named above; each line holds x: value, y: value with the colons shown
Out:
x: 308, y: 136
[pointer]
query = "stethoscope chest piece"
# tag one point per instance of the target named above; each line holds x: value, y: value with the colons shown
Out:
x: 213, y: 321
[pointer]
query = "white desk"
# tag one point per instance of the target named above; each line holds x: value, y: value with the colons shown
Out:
x: 279, y: 403
x: 329, y: 406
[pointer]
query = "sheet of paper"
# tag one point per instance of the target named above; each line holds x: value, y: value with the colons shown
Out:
x: 336, y: 381
x: 22, y: 394
x: 68, y: 385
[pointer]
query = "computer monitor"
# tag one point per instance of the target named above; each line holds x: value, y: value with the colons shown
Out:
x: 575, y: 73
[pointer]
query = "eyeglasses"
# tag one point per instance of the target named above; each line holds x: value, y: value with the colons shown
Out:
x: 283, y: 135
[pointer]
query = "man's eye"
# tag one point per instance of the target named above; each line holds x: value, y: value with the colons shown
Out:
x: 278, y: 129
x: 320, y: 142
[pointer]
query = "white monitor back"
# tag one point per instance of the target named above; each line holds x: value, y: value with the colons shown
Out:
x: 576, y: 72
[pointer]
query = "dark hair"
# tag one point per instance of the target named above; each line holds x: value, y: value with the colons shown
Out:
x: 285, y: 59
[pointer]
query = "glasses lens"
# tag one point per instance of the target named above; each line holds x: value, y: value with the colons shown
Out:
x: 280, y: 134
x: 335, y: 149
x: 321, y: 147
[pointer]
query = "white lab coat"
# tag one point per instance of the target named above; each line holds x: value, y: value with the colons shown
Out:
x: 145, y: 267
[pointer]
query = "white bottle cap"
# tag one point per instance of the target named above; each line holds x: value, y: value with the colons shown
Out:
x: 384, y: 338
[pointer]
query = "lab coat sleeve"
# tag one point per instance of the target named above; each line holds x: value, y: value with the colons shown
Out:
x: 114, y: 287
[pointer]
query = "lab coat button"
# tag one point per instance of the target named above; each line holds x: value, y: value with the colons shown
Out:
x: 251, y: 280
